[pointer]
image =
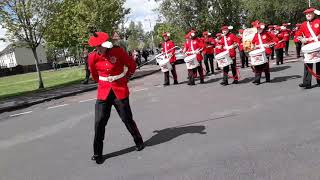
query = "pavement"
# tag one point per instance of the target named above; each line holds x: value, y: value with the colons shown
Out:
x: 24, y: 101
x: 203, y: 132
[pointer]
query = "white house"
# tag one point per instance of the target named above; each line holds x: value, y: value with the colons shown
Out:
x: 14, y: 55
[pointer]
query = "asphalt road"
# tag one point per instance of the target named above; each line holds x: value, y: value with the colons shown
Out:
x: 203, y: 132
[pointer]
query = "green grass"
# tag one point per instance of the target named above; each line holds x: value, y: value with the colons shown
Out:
x: 28, y: 83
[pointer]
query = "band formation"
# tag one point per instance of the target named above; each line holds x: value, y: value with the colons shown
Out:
x: 112, y: 67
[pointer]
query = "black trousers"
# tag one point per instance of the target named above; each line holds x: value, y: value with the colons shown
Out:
x: 244, y: 59
x: 174, y: 75
x: 262, y: 68
x: 193, y: 72
x: 298, y: 48
x: 272, y: 54
x: 307, y: 76
x: 233, y: 69
x: 279, y: 55
x: 287, y: 48
x: 87, y: 72
x: 102, y: 115
x: 208, y: 58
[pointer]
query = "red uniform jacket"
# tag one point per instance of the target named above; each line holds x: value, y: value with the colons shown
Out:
x: 286, y: 35
x: 241, y: 44
x: 166, y: 46
x: 219, y: 47
x: 315, y: 25
x: 193, y: 45
x: 266, y: 38
x: 209, y: 45
x: 110, y: 64
x: 296, y: 35
x: 231, y: 39
x: 281, y: 43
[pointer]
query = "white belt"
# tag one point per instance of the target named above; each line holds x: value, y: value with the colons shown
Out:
x: 114, y: 78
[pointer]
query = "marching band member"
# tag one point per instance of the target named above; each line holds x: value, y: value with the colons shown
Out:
x: 286, y: 37
x: 263, y: 39
x: 208, y: 51
x: 243, y: 56
x: 218, y: 47
x: 297, y: 42
x: 230, y: 43
x: 194, y: 46
x: 169, y: 52
x: 111, y: 68
x: 271, y: 29
x: 308, y: 30
x: 280, y: 45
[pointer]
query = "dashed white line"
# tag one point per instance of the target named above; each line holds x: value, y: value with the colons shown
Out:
x: 144, y: 89
x: 62, y: 105
x: 19, y: 114
x: 87, y: 100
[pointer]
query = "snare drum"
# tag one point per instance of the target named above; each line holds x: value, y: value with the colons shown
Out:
x: 165, y: 64
x: 191, y: 61
x: 311, y: 52
x: 258, y: 57
x: 223, y: 59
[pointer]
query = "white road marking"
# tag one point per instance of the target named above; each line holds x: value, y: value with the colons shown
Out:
x: 144, y: 89
x: 19, y: 114
x: 62, y: 105
x: 43, y: 131
x: 87, y: 100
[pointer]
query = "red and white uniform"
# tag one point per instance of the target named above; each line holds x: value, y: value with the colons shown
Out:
x: 229, y: 40
x: 209, y: 44
x: 166, y: 46
x: 111, y: 64
x: 266, y: 38
x: 315, y: 26
x: 281, y: 43
x: 193, y: 45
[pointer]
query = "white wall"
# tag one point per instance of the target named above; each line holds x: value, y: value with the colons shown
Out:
x: 25, y: 56
x: 8, y: 60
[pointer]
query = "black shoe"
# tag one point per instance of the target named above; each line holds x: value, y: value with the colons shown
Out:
x: 302, y: 85
x: 207, y: 73
x: 140, y: 146
x: 166, y: 84
x: 212, y: 72
x: 268, y: 81
x: 191, y: 84
x: 277, y: 64
x: 85, y: 82
x: 235, y: 82
x: 224, y: 83
x: 98, y: 158
x: 201, y: 81
x: 307, y: 87
x: 176, y: 82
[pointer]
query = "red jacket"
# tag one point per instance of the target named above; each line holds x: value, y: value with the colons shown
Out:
x: 315, y: 25
x: 281, y: 43
x: 266, y: 38
x: 286, y: 35
x: 230, y: 39
x: 296, y: 35
x: 110, y: 64
x: 193, y: 45
x: 166, y: 46
x: 241, y: 44
x: 218, y: 48
x: 209, y: 45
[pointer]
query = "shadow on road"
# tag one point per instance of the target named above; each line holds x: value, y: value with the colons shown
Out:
x: 161, y: 136
x: 279, y: 68
x: 246, y: 80
x: 284, y: 78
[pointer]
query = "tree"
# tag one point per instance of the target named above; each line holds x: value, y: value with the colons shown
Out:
x: 71, y: 26
x: 26, y: 20
x: 136, y: 36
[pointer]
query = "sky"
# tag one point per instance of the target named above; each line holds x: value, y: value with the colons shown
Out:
x: 141, y: 10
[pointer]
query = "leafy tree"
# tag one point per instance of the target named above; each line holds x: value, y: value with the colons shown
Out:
x: 27, y: 20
